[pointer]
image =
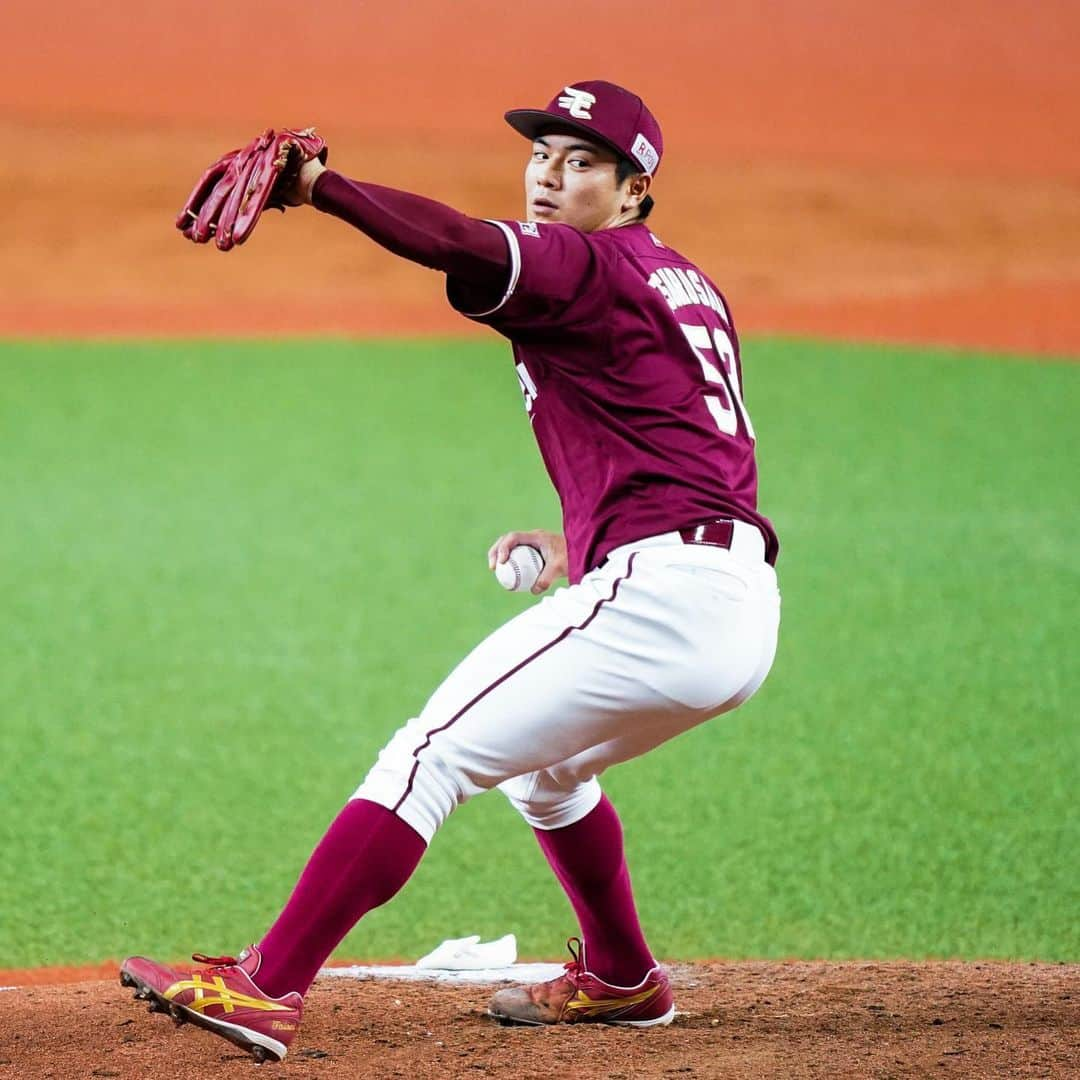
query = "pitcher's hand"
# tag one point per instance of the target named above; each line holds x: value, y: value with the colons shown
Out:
x: 552, y: 548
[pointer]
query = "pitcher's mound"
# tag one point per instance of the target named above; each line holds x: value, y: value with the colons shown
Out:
x: 735, y: 1020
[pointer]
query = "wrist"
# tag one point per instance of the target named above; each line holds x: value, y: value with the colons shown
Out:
x: 310, y: 171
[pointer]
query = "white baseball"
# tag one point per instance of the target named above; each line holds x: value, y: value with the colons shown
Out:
x: 521, y: 569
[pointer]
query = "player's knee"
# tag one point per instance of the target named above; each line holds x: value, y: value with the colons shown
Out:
x: 421, y: 781
x: 544, y: 803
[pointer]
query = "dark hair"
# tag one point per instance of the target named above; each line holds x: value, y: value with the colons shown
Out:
x: 624, y: 169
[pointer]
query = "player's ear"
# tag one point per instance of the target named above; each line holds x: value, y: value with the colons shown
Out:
x: 637, y: 187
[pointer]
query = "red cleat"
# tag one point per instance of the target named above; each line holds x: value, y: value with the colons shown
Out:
x: 578, y: 997
x: 221, y: 998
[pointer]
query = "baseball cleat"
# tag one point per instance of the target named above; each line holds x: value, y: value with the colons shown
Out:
x: 221, y: 998
x: 578, y: 996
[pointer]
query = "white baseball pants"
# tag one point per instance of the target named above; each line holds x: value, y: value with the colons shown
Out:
x: 660, y: 638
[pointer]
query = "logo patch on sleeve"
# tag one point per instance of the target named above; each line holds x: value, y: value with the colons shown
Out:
x: 529, y: 228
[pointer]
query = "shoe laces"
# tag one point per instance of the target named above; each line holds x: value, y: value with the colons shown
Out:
x: 215, y: 962
x: 575, y: 967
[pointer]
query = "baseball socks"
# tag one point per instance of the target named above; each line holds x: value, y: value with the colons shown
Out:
x: 588, y: 860
x: 366, y: 856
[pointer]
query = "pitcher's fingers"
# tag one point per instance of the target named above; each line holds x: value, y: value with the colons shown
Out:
x: 500, y: 550
x: 507, y: 544
x: 544, y: 581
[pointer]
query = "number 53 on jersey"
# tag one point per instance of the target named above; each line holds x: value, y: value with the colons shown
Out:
x: 725, y: 401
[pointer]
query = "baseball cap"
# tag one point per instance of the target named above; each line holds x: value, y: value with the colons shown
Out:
x: 604, y: 112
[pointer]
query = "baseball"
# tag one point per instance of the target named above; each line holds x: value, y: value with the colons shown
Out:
x: 521, y: 569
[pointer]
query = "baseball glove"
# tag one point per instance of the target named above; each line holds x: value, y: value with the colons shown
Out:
x: 231, y: 195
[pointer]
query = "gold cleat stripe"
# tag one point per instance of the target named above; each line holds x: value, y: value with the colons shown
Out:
x: 217, y: 993
x: 583, y: 1002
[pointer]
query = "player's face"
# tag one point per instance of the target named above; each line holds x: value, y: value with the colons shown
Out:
x: 571, y: 180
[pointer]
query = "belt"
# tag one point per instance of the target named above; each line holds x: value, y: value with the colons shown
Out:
x: 745, y: 541
x: 711, y: 534
x: 738, y: 537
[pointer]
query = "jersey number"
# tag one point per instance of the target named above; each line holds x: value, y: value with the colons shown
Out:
x: 725, y: 402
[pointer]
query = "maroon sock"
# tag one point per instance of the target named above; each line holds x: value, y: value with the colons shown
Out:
x: 588, y: 860
x: 366, y: 856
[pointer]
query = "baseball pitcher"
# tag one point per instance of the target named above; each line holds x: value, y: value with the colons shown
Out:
x: 630, y: 371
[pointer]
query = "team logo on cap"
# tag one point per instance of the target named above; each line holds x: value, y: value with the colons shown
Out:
x: 577, y: 102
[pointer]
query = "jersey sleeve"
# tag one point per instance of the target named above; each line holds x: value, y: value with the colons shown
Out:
x: 558, y: 281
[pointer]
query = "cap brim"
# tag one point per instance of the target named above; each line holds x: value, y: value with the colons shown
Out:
x: 532, y: 122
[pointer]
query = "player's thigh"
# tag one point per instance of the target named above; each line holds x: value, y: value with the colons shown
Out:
x: 717, y: 631
x: 540, y: 689
x: 730, y: 618
x: 635, y: 654
x: 547, y: 685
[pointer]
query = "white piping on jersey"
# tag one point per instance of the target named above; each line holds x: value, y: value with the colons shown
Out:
x: 515, y: 270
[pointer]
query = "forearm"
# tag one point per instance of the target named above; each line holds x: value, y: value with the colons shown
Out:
x: 419, y: 229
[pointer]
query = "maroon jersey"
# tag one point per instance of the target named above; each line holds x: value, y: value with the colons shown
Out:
x: 629, y: 363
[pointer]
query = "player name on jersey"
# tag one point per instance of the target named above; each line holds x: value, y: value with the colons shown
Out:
x: 680, y: 287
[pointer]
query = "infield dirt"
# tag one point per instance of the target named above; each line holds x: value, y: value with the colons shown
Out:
x: 735, y: 1020
x: 840, y: 169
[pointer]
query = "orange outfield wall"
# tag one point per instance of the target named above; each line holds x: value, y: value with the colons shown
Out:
x: 884, y: 171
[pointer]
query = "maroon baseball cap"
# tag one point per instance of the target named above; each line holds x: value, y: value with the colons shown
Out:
x: 604, y: 112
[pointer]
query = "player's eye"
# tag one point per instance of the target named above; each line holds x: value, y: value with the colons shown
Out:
x: 582, y: 162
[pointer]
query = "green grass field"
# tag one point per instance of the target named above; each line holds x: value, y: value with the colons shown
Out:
x: 229, y: 571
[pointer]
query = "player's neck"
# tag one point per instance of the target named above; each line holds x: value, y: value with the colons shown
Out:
x: 621, y: 220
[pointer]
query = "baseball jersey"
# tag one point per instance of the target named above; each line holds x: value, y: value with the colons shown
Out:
x: 629, y: 365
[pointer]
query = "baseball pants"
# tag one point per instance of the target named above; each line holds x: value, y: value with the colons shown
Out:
x: 661, y: 637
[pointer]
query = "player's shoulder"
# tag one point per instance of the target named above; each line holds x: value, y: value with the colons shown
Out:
x: 547, y: 240
x: 639, y: 243
x: 675, y: 277
x: 627, y: 241
x: 536, y: 230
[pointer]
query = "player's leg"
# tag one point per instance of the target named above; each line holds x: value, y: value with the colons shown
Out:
x: 614, y: 977
x: 364, y: 859
x: 683, y: 635
x: 366, y: 856
x: 622, y: 652
x: 256, y: 999
x: 589, y: 862
x: 375, y: 843
x: 577, y: 827
x: 631, y: 649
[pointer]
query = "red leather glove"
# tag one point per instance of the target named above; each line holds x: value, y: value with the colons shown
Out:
x: 232, y: 193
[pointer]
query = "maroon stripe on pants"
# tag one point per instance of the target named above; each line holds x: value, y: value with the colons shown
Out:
x: 513, y: 671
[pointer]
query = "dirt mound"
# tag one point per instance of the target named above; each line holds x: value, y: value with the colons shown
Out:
x: 735, y: 1020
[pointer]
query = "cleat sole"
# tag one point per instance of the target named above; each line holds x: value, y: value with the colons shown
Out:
x: 659, y: 1021
x: 514, y: 1021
